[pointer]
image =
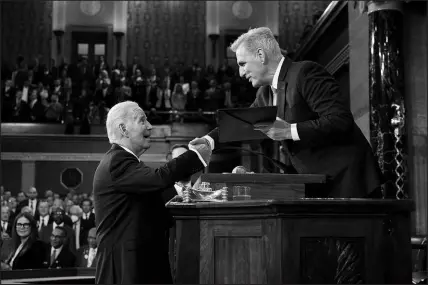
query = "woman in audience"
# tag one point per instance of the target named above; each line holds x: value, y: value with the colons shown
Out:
x: 28, y: 251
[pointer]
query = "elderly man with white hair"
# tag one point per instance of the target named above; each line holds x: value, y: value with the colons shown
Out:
x: 130, y: 215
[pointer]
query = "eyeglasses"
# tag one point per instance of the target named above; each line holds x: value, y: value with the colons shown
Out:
x: 25, y: 226
x: 56, y: 237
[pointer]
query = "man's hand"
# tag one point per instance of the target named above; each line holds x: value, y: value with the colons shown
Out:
x: 200, y: 141
x: 204, y: 150
x: 278, y: 131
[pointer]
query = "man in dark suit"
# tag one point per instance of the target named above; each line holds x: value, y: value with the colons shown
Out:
x: 86, y: 254
x: 6, y: 225
x: 58, y: 254
x: 44, y: 220
x: 31, y: 202
x: 177, y: 189
x: 130, y: 214
x: 314, y: 124
x: 87, y: 222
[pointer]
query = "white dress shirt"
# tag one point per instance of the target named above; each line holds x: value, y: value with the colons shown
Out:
x: 43, y: 221
x: 57, y: 251
x: 54, y: 225
x: 32, y: 204
x: 91, y: 256
x: 274, y: 87
x: 4, y: 225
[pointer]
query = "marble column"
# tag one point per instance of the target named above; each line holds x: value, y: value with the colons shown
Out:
x: 386, y: 93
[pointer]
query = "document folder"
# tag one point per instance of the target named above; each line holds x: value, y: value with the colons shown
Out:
x: 238, y: 124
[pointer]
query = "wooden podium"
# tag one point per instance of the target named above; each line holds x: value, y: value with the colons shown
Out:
x: 280, y: 237
x: 323, y: 241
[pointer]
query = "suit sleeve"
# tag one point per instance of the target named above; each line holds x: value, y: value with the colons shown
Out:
x: 321, y: 92
x: 131, y: 176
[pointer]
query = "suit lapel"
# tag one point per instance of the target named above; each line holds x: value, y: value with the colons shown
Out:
x: 282, y: 87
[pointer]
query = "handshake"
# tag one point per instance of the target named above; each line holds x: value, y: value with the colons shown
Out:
x: 203, y: 148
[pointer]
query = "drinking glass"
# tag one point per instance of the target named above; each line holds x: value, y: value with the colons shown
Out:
x: 241, y: 193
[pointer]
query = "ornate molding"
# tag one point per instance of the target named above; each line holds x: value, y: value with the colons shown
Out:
x: 45, y: 156
x: 369, y: 6
x: 325, y: 22
x: 341, y: 59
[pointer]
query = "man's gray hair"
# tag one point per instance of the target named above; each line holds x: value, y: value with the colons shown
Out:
x: 258, y: 38
x: 118, y: 114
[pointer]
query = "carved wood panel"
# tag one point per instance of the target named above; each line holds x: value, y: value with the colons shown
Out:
x: 239, y: 252
x: 322, y: 253
x: 342, y: 260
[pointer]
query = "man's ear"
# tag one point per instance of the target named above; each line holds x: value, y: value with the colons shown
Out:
x: 261, y: 55
x: 123, y: 130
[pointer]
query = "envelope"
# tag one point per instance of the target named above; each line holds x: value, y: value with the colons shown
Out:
x: 238, y: 124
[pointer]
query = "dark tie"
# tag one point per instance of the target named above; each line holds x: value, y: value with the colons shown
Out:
x: 53, y: 256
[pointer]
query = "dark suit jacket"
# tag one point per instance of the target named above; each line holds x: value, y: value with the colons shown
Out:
x: 45, y: 231
x: 131, y: 216
x: 330, y: 141
x: 64, y: 259
x: 8, y: 228
x: 82, y: 257
x: 30, y: 257
x: 85, y: 226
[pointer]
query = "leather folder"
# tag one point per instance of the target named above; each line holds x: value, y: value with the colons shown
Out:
x: 238, y: 124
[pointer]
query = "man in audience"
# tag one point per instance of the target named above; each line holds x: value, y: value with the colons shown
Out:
x: 177, y: 189
x: 43, y: 222
x: 48, y: 193
x: 88, y: 220
x: 76, y: 216
x: 6, y: 225
x: 58, y: 221
x: 87, y: 253
x: 20, y: 197
x: 32, y: 202
x: 130, y: 212
x: 58, y: 203
x: 59, y: 254
x: 12, y: 207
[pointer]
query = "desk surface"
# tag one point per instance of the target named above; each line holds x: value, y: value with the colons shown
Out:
x: 303, y: 205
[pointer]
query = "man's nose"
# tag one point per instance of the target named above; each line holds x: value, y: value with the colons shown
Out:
x: 149, y: 126
x: 241, y: 72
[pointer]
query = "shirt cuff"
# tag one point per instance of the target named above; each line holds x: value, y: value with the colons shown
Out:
x: 294, y: 133
x: 192, y: 148
x: 210, y: 140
